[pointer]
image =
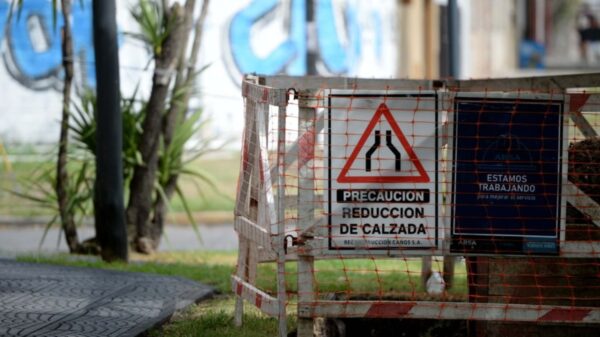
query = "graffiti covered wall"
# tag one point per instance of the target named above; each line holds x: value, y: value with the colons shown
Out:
x: 349, y: 38
x: 30, y: 71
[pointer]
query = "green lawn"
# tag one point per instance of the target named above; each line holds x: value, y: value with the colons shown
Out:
x: 13, y: 179
x: 217, y: 196
x: 214, y: 318
x: 222, y: 171
x: 368, y: 278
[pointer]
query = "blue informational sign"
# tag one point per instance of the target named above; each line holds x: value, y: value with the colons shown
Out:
x: 507, y: 176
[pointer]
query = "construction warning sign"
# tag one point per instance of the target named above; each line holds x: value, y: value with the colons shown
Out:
x: 507, y: 174
x: 382, y: 171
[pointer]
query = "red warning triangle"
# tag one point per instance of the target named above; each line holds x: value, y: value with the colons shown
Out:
x: 384, y: 111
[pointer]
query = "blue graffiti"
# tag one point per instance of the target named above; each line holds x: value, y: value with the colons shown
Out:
x: 3, y: 13
x: 33, y: 56
x: 298, y: 34
x: 377, y: 24
x: 290, y: 55
x: 83, y: 39
x: 291, y: 52
x: 338, y: 58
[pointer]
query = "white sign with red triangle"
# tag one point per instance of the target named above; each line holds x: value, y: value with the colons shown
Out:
x: 390, y: 165
x: 382, y: 171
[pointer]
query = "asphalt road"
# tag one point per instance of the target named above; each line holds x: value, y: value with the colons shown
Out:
x: 16, y: 240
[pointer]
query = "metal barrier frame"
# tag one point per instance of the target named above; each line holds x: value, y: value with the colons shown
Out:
x: 260, y: 219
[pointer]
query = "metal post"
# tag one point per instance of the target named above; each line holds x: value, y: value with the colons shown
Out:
x: 281, y: 291
x: 311, y: 36
x: 108, y: 198
x: 454, y: 39
x: 306, y: 204
x: 453, y: 72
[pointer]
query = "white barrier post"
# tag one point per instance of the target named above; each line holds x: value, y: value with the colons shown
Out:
x: 281, y: 291
x: 244, y: 204
x: 306, y: 198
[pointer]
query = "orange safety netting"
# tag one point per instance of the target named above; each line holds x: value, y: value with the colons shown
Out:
x: 469, y: 200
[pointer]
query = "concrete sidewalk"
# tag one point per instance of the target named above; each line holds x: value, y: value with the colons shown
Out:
x: 23, y: 239
x: 44, y: 300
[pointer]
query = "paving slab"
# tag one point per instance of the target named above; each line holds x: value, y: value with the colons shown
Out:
x: 47, y: 300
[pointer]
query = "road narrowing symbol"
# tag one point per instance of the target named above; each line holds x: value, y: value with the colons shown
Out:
x: 382, y: 172
x: 383, y: 112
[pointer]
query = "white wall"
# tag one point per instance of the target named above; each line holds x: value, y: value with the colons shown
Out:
x: 269, y: 38
x: 488, y: 38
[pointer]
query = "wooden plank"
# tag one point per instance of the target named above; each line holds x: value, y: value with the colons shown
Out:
x: 316, y: 83
x: 243, y: 249
x: 583, y: 124
x: 591, y: 104
x: 556, y: 83
x: 577, y: 102
x: 306, y: 187
x: 264, y: 94
x: 266, y: 209
x: 585, y: 249
x: 320, y: 245
x: 247, y: 164
x: 251, y: 231
x: 263, y: 301
x: 243, y: 200
x: 256, y: 187
x: 291, y: 155
x: 446, y: 105
x: 537, y: 83
x: 266, y: 255
x: 426, y: 270
x: 580, y: 200
x: 280, y: 239
x: 247, y: 204
x: 252, y: 263
x: 451, y: 310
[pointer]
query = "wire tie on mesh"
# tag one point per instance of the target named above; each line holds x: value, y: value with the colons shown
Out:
x: 293, y: 241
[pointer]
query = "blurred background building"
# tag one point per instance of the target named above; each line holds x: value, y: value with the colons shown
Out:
x: 378, y: 38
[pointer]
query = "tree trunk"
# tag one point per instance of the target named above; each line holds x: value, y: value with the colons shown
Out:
x: 62, y: 174
x: 177, y: 109
x: 160, y: 212
x: 178, y: 105
x: 144, y: 176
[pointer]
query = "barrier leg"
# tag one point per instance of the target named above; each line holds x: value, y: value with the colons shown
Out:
x: 425, y: 270
x: 281, y: 288
x: 305, y: 293
x: 240, y: 272
x: 306, y: 203
x: 449, y: 264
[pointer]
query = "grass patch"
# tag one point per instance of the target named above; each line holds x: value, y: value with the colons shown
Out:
x: 12, y: 178
x: 400, y: 277
x: 201, y: 196
x: 390, y: 277
x: 365, y: 278
x: 214, y: 318
x: 214, y: 323
x: 209, y: 318
x: 370, y: 278
x: 212, y: 268
x: 222, y: 170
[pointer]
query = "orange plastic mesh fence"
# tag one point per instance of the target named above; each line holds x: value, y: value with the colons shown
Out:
x: 474, y: 200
